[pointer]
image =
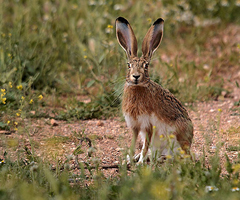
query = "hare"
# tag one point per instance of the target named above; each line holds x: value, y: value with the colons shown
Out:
x: 148, y: 108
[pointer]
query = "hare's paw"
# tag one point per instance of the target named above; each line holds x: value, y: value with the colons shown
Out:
x: 142, y: 159
x: 136, y: 157
x: 127, y: 160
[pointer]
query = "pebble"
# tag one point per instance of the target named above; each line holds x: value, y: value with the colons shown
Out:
x: 53, y: 122
x: 119, y: 149
x: 100, y: 123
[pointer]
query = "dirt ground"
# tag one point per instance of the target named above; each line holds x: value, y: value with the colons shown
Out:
x: 215, y: 123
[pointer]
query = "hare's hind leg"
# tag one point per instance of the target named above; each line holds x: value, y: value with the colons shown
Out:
x: 184, y: 135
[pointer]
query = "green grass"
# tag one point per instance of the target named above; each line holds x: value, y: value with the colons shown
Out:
x: 31, y: 178
x: 67, y: 50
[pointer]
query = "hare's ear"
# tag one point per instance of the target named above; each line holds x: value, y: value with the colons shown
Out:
x: 126, y: 37
x: 152, y: 39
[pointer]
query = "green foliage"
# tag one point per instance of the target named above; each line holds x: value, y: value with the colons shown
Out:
x: 16, y: 101
x: 181, y: 178
x: 101, y: 107
x: 70, y: 46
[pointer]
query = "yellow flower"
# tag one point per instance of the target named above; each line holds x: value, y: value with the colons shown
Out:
x: 19, y: 87
x: 9, y: 55
x: 236, y: 168
x: 172, y: 136
x: 219, y: 110
x: 161, y: 136
x: 40, y: 97
x: 8, y: 122
x: 149, y: 20
x: 31, y: 101
x: 3, y: 94
x: 3, y: 34
x: 74, y: 6
x: 9, y: 34
x: 3, y: 90
x: 15, y: 123
x: 22, y: 97
x: 10, y: 84
x: 182, y: 152
x: 19, y: 110
x: 186, y: 156
x: 110, y: 26
x: 15, y: 129
x: 85, y: 57
x: 168, y: 156
x: 4, y: 100
x: 18, y: 114
x: 154, y: 127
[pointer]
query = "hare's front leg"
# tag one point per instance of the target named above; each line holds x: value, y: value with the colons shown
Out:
x: 146, y: 138
x: 130, y: 157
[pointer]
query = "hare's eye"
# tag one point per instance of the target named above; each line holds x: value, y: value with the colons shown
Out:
x: 129, y: 65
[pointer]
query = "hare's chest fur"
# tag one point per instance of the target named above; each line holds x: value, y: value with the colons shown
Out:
x: 145, y: 122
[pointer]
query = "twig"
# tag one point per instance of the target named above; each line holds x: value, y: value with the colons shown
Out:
x: 86, y: 139
x: 94, y: 167
x: 6, y: 132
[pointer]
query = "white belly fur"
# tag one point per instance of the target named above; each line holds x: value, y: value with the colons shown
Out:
x: 158, y: 143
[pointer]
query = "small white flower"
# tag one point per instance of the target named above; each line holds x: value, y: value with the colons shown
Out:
x: 118, y: 7
x: 92, y: 3
x: 235, y: 189
x: 210, y: 188
x: 224, y: 3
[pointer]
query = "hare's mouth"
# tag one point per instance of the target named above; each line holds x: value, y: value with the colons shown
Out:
x: 136, y: 83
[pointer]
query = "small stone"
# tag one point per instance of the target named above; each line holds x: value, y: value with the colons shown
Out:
x: 206, y: 67
x: 224, y: 93
x: 100, y: 123
x: 119, y: 149
x: 33, y: 112
x: 53, y: 122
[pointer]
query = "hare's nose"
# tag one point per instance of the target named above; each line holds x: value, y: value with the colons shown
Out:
x: 136, y: 77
